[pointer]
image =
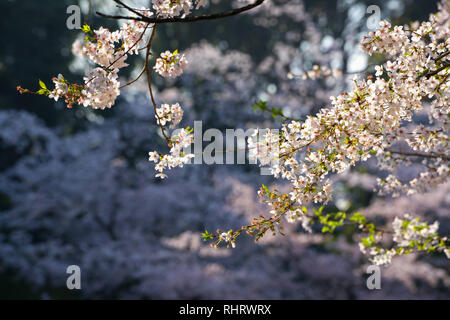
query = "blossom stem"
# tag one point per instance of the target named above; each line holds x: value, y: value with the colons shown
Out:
x: 149, y: 83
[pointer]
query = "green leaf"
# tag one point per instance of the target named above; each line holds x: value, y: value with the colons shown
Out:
x: 42, y: 84
x: 260, y: 105
x: 366, y: 242
x: 189, y: 130
x: 266, y: 190
x: 86, y: 28
x: 206, y: 235
x: 358, y: 218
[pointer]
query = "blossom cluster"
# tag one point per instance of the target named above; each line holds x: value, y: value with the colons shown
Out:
x: 61, y: 88
x: 101, y: 88
x: 176, y: 158
x: 174, y: 8
x: 228, y: 238
x: 169, y: 113
x: 170, y: 64
x: 409, y: 233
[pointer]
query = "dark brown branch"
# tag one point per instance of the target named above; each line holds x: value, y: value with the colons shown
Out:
x: 135, y: 79
x: 421, y: 155
x: 445, y: 66
x: 156, y: 20
x: 443, y: 55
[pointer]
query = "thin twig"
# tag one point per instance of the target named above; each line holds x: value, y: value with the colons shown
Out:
x: 136, y: 79
x: 130, y: 9
x: 149, y: 84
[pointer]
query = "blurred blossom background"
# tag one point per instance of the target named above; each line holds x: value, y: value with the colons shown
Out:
x: 76, y: 187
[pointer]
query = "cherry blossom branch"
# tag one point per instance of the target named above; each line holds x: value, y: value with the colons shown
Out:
x: 352, y: 131
x: 400, y: 232
x: 157, y: 20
